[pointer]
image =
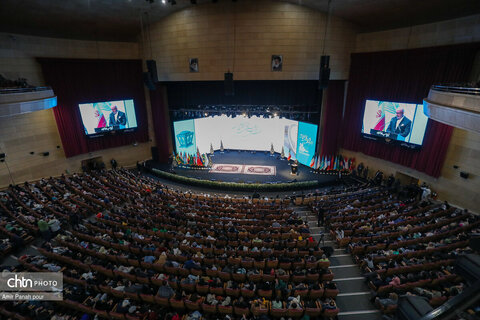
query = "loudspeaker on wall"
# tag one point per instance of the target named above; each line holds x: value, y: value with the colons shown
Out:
x: 324, y: 75
x: 229, y: 89
x: 147, y: 79
x: 152, y: 69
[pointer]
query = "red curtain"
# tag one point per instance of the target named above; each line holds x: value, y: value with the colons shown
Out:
x: 76, y: 81
x: 332, y: 116
x: 160, y: 122
x: 404, y: 76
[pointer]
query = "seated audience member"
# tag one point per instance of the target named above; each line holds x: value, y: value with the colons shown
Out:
x: 390, y: 301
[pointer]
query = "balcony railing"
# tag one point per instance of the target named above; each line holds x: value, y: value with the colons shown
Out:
x: 457, y: 89
x: 23, y: 90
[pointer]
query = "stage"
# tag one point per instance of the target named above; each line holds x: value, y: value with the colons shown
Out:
x: 249, y: 167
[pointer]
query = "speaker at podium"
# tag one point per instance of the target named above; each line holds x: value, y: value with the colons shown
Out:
x: 294, y: 167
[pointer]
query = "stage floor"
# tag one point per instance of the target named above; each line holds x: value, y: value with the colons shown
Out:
x: 245, y: 160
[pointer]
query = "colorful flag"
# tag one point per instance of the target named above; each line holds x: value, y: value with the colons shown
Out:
x: 199, y: 161
x: 289, y: 155
x: 312, y: 163
x: 380, y: 116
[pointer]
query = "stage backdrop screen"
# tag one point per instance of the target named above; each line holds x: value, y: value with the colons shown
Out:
x: 401, y: 122
x: 184, y: 132
x: 103, y: 117
x: 306, y: 142
x: 244, y: 133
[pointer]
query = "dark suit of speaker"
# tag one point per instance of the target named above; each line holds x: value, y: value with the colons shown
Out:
x: 121, y: 119
x: 403, y: 128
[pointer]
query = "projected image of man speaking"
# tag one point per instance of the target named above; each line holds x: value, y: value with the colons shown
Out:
x: 400, y: 124
x: 117, y: 118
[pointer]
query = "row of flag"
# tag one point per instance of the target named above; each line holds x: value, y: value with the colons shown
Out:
x: 200, y: 160
x: 328, y: 163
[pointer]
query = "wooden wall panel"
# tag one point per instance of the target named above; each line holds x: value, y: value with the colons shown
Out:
x: 461, y: 30
x: 261, y: 28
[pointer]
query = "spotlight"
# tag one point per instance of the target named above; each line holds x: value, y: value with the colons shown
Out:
x: 206, y: 114
x: 244, y: 114
x: 164, y: 1
x: 275, y: 114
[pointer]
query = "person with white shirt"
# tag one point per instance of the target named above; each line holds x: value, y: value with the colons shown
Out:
x: 54, y: 226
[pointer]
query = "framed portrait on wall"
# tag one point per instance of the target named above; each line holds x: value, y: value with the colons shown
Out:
x: 193, y: 64
x: 277, y: 62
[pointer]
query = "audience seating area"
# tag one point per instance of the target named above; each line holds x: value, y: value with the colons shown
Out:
x: 130, y: 248
x: 403, y: 247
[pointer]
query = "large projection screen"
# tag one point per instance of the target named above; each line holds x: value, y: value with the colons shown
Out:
x: 241, y: 133
x: 403, y: 122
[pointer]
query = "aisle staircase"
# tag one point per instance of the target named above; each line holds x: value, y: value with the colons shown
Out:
x: 354, y: 297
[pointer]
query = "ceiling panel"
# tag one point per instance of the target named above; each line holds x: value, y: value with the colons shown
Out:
x: 119, y: 20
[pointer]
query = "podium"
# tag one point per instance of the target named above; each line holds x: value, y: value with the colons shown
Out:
x: 384, y: 134
x: 294, y: 168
